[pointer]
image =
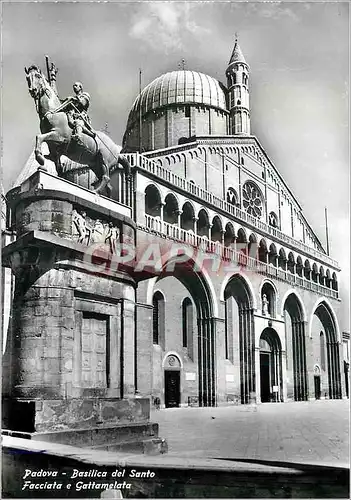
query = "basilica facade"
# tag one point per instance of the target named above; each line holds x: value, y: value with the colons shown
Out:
x: 229, y: 296
x: 257, y: 318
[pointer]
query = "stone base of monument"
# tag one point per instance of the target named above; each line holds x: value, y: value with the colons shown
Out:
x: 110, y: 424
x: 69, y: 362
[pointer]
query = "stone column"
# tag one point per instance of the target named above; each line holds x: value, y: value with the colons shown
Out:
x: 200, y: 359
x: 242, y: 354
x: 179, y: 215
x: 222, y: 236
x: 283, y: 372
x: 162, y: 204
x: 258, y: 374
x: 144, y: 348
x: 220, y: 357
x: 195, y: 219
x: 128, y: 335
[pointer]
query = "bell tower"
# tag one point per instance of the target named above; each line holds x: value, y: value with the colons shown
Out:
x: 237, y: 75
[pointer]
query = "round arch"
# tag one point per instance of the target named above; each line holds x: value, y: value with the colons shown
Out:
x: 267, y: 280
x: 200, y: 287
x: 153, y: 200
x: 332, y: 313
x: 187, y: 218
x: 247, y: 283
x: 176, y: 355
x: 323, y: 313
x: 238, y: 307
x: 241, y: 236
x: 294, y: 320
x: 168, y: 265
x: 170, y: 209
x: 292, y: 291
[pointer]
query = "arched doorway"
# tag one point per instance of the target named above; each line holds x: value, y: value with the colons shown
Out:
x: 323, y: 320
x: 198, y: 288
x: 239, y: 324
x: 317, y: 382
x: 296, y: 348
x: 271, y: 380
x: 172, y: 381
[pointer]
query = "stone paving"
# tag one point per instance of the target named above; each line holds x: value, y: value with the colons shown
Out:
x: 315, y: 432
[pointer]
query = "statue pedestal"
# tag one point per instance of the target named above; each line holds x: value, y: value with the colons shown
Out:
x: 69, y: 369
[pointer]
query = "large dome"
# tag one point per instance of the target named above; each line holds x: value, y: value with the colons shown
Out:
x: 179, y: 87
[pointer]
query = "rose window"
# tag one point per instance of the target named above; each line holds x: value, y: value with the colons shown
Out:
x: 252, y: 199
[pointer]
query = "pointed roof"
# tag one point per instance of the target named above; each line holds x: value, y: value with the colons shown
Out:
x: 237, y: 55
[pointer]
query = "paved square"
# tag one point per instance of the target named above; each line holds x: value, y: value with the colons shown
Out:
x: 302, y: 432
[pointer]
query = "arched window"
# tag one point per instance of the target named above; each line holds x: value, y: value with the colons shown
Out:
x: 238, y: 123
x: 299, y: 266
x: 291, y: 263
x: 307, y: 270
x: 321, y: 276
x: 262, y: 251
x: 187, y: 218
x: 252, y: 246
x: 216, y: 229
x: 152, y: 201
x: 202, y: 225
x: 158, y: 318
x: 273, y: 256
x: 170, y: 209
x: 322, y: 350
x: 314, y: 274
x: 334, y: 282
x: 187, y: 321
x: 229, y: 235
x: 282, y: 259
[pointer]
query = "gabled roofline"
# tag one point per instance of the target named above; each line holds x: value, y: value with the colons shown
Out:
x: 239, y: 140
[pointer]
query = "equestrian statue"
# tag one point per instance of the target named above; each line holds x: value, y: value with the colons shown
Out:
x: 66, y: 128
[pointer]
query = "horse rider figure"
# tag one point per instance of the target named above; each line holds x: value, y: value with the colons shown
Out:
x: 77, y: 113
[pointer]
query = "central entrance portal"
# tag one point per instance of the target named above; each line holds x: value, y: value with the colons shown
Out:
x: 270, y: 366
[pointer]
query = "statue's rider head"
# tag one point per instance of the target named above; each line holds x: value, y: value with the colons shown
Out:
x: 78, y: 88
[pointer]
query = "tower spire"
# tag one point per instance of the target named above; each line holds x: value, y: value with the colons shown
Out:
x: 238, y: 92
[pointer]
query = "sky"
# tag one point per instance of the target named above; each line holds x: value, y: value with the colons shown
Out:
x: 299, y: 85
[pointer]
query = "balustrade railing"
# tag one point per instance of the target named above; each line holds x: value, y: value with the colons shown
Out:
x: 154, y: 224
x: 151, y: 166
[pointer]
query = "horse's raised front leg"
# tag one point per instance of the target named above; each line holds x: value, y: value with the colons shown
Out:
x: 53, y: 136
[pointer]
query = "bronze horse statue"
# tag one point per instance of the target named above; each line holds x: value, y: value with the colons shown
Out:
x: 99, y: 153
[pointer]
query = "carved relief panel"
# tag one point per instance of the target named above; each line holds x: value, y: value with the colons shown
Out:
x: 87, y: 231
